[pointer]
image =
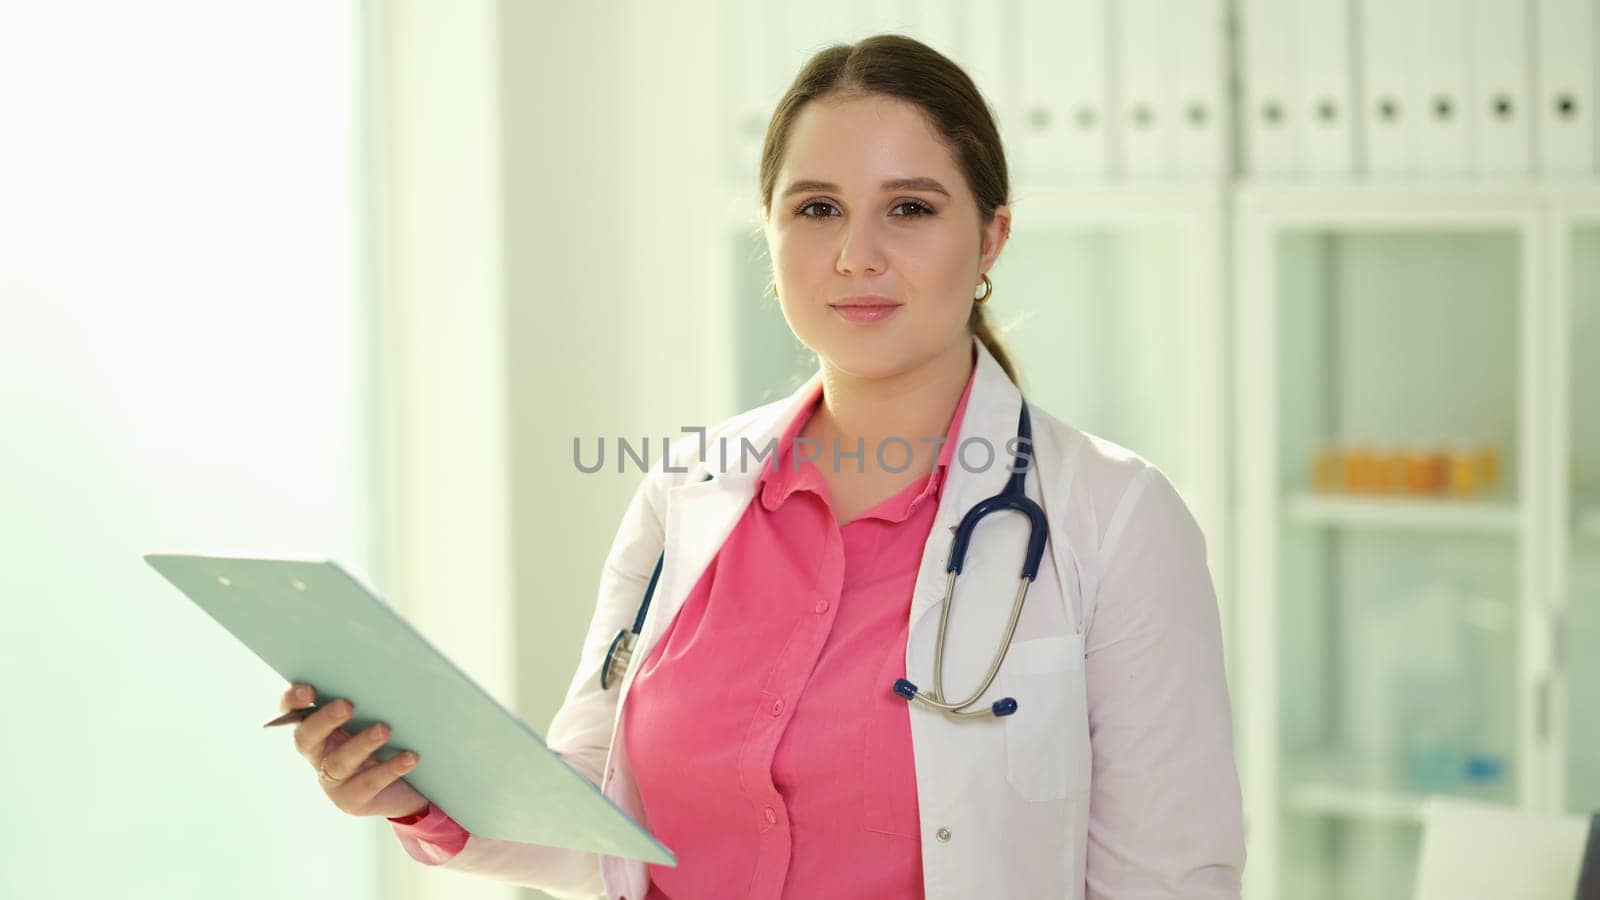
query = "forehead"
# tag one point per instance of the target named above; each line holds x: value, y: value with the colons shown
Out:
x: 864, y: 139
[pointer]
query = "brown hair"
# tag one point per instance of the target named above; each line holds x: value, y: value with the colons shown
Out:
x: 898, y: 66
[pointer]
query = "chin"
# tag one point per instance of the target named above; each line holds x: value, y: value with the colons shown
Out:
x: 863, y: 357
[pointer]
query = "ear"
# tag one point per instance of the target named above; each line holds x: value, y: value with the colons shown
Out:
x: 995, y: 235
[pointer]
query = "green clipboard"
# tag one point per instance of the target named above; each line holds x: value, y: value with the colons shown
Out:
x: 313, y: 622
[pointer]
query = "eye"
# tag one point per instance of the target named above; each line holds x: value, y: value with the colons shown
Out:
x: 917, y: 208
x: 801, y: 210
x: 920, y: 209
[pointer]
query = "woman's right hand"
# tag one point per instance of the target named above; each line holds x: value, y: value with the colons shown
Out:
x: 356, y: 782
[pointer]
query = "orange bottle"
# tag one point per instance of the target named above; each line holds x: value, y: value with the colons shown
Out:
x: 1438, y: 470
x: 1464, y: 472
x: 1395, y: 470
x: 1417, y: 475
x: 1358, y: 469
x: 1488, y: 466
x: 1325, y: 469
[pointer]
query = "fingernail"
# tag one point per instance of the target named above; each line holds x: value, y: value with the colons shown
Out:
x: 302, y: 694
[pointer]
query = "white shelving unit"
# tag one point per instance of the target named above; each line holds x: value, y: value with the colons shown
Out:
x: 1315, y: 814
x: 1386, y: 313
x: 1224, y: 330
x: 1573, y: 467
x: 1299, y: 256
x: 1397, y: 514
x: 1075, y: 245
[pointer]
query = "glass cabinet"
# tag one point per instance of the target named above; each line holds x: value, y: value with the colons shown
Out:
x: 1390, y: 404
x: 1575, y: 467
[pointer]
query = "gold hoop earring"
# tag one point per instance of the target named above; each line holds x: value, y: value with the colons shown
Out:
x: 988, y: 288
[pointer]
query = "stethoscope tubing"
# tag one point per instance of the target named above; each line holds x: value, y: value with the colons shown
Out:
x: 1014, y: 498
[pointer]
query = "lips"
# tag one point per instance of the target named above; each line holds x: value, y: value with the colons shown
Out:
x: 866, y: 308
x: 863, y: 312
x: 867, y: 300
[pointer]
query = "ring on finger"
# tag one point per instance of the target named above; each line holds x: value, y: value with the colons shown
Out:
x: 324, y: 777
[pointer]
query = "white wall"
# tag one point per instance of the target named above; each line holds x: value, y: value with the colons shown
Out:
x: 538, y: 163
x: 184, y: 366
x: 439, y: 221
x: 611, y: 117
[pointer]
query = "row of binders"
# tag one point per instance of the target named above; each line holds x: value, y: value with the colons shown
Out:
x: 1083, y: 90
x: 1098, y: 90
x: 1417, y: 89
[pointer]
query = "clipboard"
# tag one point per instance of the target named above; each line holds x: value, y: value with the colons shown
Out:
x: 315, y: 623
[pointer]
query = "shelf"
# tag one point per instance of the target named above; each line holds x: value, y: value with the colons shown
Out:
x: 1367, y: 804
x: 1342, y: 785
x: 1477, y: 516
x: 1335, y: 786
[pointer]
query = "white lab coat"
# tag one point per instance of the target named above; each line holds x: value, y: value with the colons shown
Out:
x: 1005, y: 804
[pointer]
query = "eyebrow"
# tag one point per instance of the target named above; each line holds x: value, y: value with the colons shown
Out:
x: 896, y: 184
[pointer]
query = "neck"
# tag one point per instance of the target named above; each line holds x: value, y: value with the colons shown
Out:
x: 915, y: 405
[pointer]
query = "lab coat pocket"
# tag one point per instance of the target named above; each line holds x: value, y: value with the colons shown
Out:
x: 1047, y: 738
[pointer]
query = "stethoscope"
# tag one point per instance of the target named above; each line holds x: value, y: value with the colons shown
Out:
x: 620, y: 653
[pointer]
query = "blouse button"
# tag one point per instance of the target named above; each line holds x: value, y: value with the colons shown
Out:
x: 777, y: 707
x: 943, y: 834
x: 772, y: 817
x: 822, y: 606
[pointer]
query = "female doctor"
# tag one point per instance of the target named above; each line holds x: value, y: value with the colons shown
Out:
x: 758, y: 731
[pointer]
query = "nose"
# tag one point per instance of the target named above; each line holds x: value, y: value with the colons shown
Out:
x: 859, y: 250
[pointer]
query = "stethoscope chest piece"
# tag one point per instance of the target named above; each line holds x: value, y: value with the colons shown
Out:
x: 618, y: 655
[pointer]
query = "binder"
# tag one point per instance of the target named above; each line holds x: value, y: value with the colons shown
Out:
x: 1323, y: 111
x: 1145, y: 118
x: 880, y: 17
x: 1440, y: 40
x: 1062, y: 127
x: 312, y: 622
x: 807, y: 28
x: 1499, y: 111
x: 1389, y: 33
x: 934, y: 24
x: 1193, y: 55
x: 987, y: 55
x: 756, y: 83
x: 1564, y: 129
x: 1271, y: 70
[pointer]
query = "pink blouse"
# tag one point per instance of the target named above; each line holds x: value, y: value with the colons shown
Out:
x: 768, y: 749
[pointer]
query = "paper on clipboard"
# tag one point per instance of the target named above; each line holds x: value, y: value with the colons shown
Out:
x: 313, y: 622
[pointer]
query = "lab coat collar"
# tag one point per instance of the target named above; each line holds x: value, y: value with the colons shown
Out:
x: 992, y: 398
x: 779, y: 476
x: 700, y: 514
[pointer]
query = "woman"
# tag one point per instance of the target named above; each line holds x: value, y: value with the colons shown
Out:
x: 756, y: 733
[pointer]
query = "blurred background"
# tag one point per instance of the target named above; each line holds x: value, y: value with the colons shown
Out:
x: 344, y: 280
